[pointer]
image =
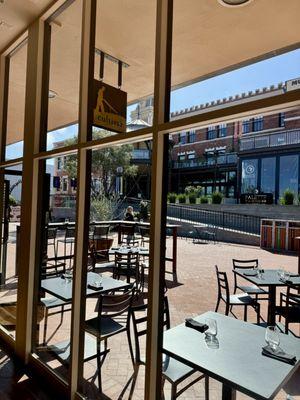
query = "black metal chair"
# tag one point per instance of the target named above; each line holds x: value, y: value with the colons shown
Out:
x: 145, y: 234
x: 101, y: 232
x: 69, y: 238
x: 50, y: 270
x: 250, y: 289
x: 289, y: 306
x: 233, y: 300
x: 113, y: 318
x: 98, y: 263
x: 127, y: 264
x: 128, y: 235
x: 174, y: 371
x: 51, y: 239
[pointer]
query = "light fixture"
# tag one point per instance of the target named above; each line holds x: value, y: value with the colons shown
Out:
x: 52, y: 94
x: 234, y: 3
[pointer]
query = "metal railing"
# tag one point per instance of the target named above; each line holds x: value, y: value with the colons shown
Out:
x: 270, y: 140
x: 221, y: 219
x: 223, y: 159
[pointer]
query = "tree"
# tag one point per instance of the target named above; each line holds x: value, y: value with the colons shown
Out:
x: 105, y: 163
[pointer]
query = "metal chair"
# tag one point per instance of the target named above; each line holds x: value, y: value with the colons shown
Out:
x: 128, y: 235
x: 50, y: 270
x: 233, y: 300
x: 289, y: 306
x: 174, y: 371
x: 250, y: 289
x: 113, y: 318
x: 127, y: 264
x: 51, y: 239
x: 145, y: 234
x: 69, y: 238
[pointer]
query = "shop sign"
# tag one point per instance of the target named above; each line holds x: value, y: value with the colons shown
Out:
x: 109, y: 107
x: 292, y: 84
x: 253, y: 198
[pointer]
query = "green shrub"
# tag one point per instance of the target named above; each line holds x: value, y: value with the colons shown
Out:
x: 192, y: 198
x: 288, y: 197
x: 181, y: 198
x: 102, y: 209
x: 172, y: 197
x: 203, y: 200
x: 197, y: 190
x: 12, y: 201
x: 144, y: 210
x: 216, y: 198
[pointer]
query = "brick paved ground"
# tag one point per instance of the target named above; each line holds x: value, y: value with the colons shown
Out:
x: 194, y: 294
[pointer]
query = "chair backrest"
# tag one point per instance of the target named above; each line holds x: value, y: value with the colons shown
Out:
x: 243, y: 264
x: 101, y: 230
x: 51, y: 233
x: 70, y: 232
x: 144, y: 231
x: 129, y: 259
x: 50, y: 269
x: 140, y: 324
x: 293, y: 297
x: 223, y: 287
x: 116, y: 306
x: 127, y: 229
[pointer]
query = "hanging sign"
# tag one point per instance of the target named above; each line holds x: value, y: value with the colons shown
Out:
x: 109, y: 107
x: 292, y: 84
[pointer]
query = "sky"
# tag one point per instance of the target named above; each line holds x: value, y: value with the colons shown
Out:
x: 264, y: 73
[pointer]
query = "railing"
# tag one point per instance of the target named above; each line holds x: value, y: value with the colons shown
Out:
x: 270, y: 140
x: 230, y: 158
x: 220, y: 219
x: 141, y: 154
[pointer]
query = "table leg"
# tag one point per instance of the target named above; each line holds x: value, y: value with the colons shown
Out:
x: 174, y: 253
x: 119, y: 234
x: 228, y: 393
x: 272, y: 305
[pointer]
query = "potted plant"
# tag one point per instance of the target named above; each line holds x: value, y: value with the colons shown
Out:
x: 172, y: 197
x: 203, y: 199
x: 216, y: 198
x: 181, y: 198
x: 288, y: 197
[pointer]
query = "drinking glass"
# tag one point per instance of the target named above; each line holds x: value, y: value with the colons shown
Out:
x: 69, y: 275
x: 212, y: 327
x: 98, y: 281
x: 272, y: 337
x: 281, y: 273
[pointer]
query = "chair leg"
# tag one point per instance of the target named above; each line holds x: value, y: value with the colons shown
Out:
x: 217, y: 305
x: 45, y: 327
x: 227, y: 308
x: 258, y: 313
x: 99, y: 365
x: 206, y: 385
x: 130, y: 346
x: 245, y: 313
x: 173, y: 391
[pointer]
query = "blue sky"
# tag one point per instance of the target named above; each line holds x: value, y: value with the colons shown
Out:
x: 264, y: 73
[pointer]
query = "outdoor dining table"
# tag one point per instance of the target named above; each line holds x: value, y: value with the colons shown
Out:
x: 237, y: 359
x: 62, y: 287
x: 118, y: 223
x: 268, y: 278
x: 142, y: 251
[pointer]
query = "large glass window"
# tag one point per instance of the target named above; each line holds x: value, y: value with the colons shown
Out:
x: 56, y: 263
x: 249, y: 175
x: 268, y: 175
x: 11, y: 188
x: 289, y: 174
x: 64, y: 75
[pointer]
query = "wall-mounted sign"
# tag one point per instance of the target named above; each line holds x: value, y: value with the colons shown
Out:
x: 109, y: 107
x: 292, y: 84
x: 253, y: 198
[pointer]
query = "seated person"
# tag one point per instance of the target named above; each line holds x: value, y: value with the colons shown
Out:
x: 128, y: 216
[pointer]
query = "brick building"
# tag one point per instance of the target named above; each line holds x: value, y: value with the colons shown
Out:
x: 258, y: 153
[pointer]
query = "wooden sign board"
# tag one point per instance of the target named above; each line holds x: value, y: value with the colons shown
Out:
x: 109, y: 107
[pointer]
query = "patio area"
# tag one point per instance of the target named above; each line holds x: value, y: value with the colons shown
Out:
x: 193, y: 294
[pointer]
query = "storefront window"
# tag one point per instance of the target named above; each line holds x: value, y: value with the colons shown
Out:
x: 288, y: 175
x: 268, y: 166
x: 249, y: 175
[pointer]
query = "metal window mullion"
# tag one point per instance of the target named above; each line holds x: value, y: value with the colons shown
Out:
x: 29, y: 197
x: 162, y: 86
x: 82, y: 209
